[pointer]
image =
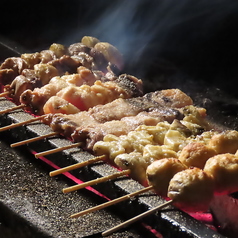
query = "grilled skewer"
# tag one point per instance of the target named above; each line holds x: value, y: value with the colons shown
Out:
x: 78, y: 165
x: 4, y: 94
x: 96, y: 181
x: 12, y: 109
x: 82, y: 94
x: 135, y: 219
x: 82, y: 63
x: 182, y: 190
x: 112, y: 202
x: 48, y: 152
x: 33, y: 139
x: 160, y: 172
x: 21, y: 123
x: 158, y: 175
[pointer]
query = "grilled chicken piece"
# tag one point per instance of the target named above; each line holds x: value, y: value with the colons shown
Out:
x: 224, y: 169
x: 30, y: 79
x: 7, y: 76
x: 191, y: 190
x: 160, y: 172
x: 14, y: 66
x: 225, y: 142
x: 100, y: 120
x: 17, y: 64
x: 132, y: 106
x: 135, y: 162
x: 35, y: 99
x: 196, y: 154
x: 85, y: 96
x: 66, y: 64
x: 95, y: 132
x: 124, y: 108
x: 11, y: 68
x: 59, y: 105
x: 97, y: 55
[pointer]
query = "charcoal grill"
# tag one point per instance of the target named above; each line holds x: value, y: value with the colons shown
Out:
x: 32, y: 204
x: 181, y: 224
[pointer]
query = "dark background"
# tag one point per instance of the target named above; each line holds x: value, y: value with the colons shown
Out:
x: 165, y: 42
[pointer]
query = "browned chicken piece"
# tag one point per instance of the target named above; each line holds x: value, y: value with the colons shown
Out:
x: 132, y: 106
x: 111, y: 54
x: 66, y: 124
x: 85, y: 96
x: 196, y: 154
x: 7, y: 76
x: 136, y: 163
x: 47, y: 56
x: 36, y: 99
x: 171, y: 98
x: 95, y: 132
x: 97, y: 55
x: 116, y: 110
x: 55, y: 51
x: 16, y: 64
x: 191, y: 190
x: 31, y: 59
x: 30, y: 79
x: 82, y: 53
x: 45, y: 72
x: 224, y: 170
x: 225, y: 142
x: 66, y: 64
x: 19, y: 85
x: 59, y: 50
x: 28, y: 61
x: 160, y: 172
x: 59, y: 105
x: 78, y: 48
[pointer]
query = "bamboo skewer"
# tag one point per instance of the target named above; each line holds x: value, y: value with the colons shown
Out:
x: 76, y: 166
x: 136, y: 218
x: 21, y: 123
x: 12, y: 109
x: 48, y: 152
x: 96, y: 181
x: 4, y: 94
x: 110, y: 203
x: 33, y: 139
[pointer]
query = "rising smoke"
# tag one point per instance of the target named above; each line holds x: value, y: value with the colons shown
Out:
x: 197, y: 36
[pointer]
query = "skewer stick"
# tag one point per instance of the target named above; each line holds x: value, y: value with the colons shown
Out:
x: 96, y: 181
x: 136, y: 218
x: 12, y: 109
x: 112, y: 202
x: 76, y: 166
x: 21, y: 123
x: 33, y: 139
x: 4, y: 94
x: 48, y: 152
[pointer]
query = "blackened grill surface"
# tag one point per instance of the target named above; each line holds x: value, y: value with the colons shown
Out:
x: 32, y: 204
